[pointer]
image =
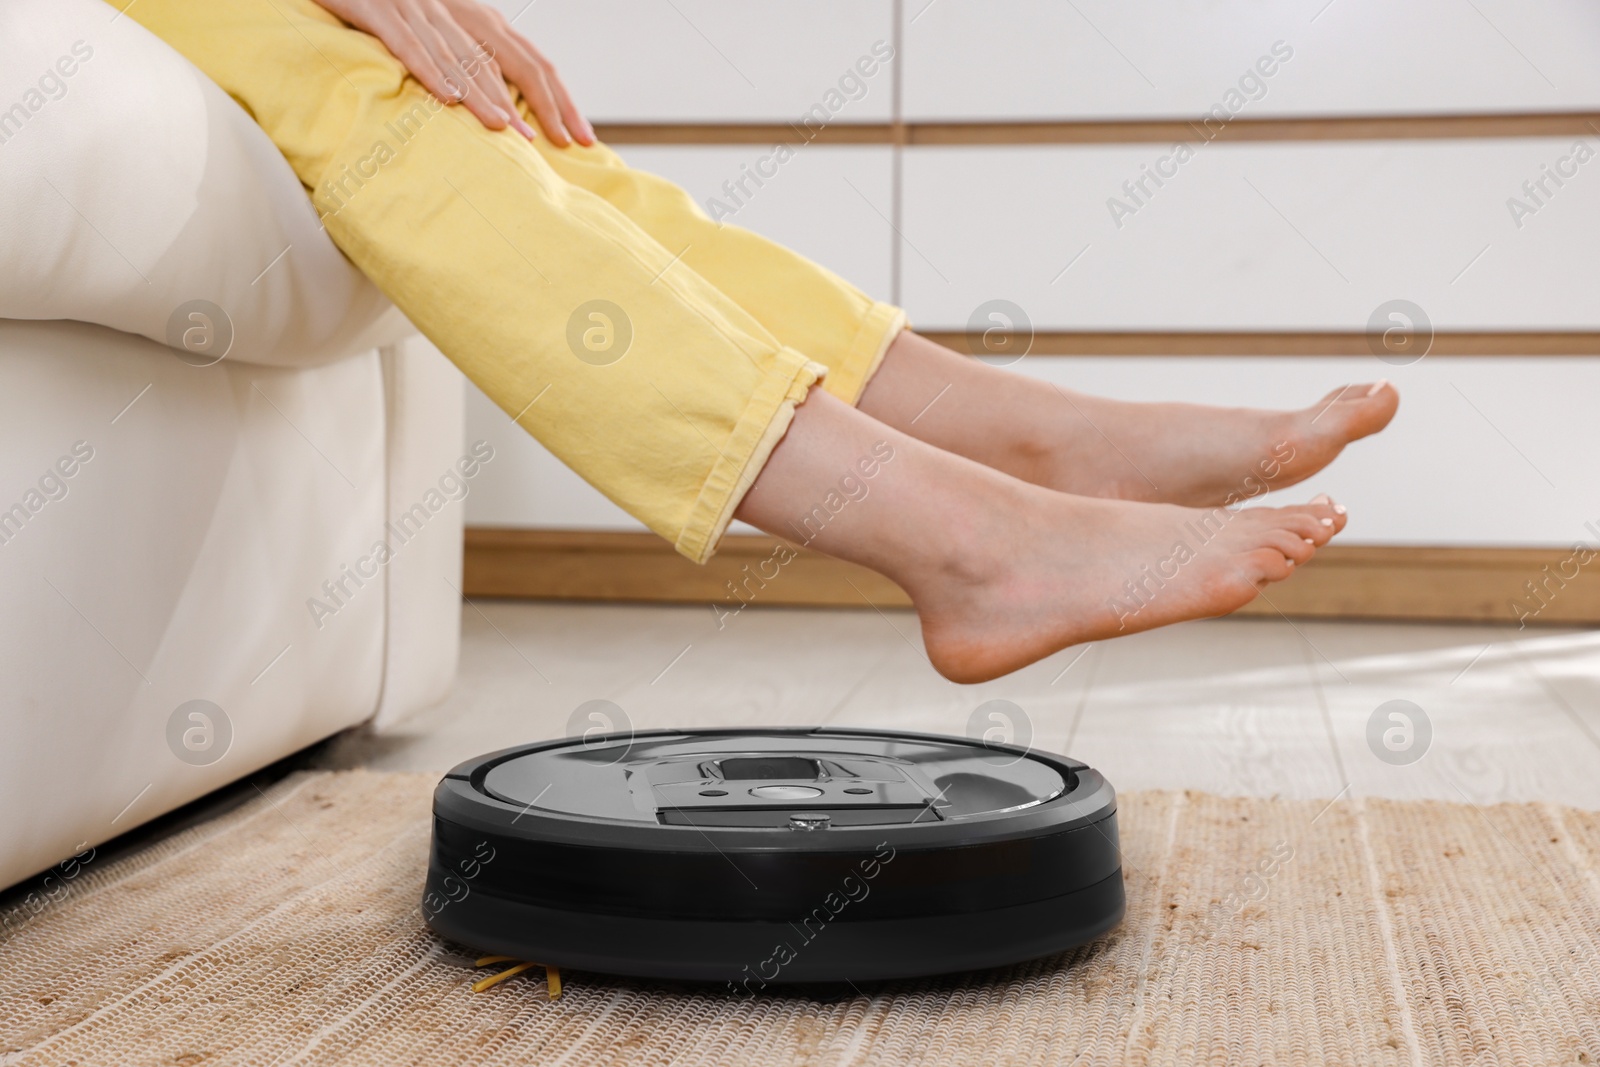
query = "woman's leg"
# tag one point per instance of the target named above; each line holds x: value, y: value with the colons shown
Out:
x: 1071, y: 441
x: 1002, y: 572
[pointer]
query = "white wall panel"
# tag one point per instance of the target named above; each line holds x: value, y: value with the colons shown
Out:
x: 1100, y: 59
x: 711, y: 60
x: 527, y: 486
x: 827, y: 202
x: 1280, y: 236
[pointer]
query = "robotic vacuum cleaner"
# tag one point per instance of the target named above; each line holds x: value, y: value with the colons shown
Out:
x: 763, y: 857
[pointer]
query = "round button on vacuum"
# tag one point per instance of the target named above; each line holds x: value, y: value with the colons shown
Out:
x: 859, y: 791
x: 785, y: 792
x: 713, y: 792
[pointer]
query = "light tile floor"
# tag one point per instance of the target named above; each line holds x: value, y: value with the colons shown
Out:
x: 1231, y: 706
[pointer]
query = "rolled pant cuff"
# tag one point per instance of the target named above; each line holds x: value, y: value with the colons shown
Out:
x: 850, y: 370
x: 762, y: 425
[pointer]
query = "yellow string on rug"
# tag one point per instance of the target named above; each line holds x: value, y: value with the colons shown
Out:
x: 552, y: 975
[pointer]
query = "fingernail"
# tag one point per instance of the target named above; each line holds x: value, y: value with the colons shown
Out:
x: 1378, y: 387
x: 588, y: 130
x: 522, y: 128
x: 1308, y: 540
x: 1290, y: 562
x: 1326, y: 522
x: 1339, y: 509
x: 1322, y: 498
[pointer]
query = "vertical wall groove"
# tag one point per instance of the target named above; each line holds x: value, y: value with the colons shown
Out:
x: 897, y: 127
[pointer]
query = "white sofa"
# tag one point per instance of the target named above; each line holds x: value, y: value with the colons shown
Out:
x: 168, y: 520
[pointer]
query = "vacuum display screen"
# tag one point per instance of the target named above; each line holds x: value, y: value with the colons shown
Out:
x: 750, y: 769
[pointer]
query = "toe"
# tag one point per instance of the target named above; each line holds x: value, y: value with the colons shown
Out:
x: 1319, y: 520
x: 1293, y: 546
x: 1330, y: 515
x: 1313, y: 437
x: 1267, y: 564
x: 1356, y: 411
x: 1307, y: 527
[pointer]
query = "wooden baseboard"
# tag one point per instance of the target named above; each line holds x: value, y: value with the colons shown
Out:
x: 1157, y: 131
x: 1279, y: 343
x: 1355, y: 581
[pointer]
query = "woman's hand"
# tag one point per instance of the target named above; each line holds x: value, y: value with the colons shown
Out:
x: 463, y: 51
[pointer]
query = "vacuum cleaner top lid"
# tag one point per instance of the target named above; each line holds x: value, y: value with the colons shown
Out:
x: 773, y: 784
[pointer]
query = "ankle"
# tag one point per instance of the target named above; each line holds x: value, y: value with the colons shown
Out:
x: 1049, y: 432
x: 1035, y: 457
x: 977, y: 550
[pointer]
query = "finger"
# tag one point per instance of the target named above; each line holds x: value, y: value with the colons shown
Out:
x: 486, y: 86
x: 470, y: 95
x: 528, y: 75
x: 528, y: 69
x: 408, y: 48
x: 414, y: 13
x: 460, y: 87
x: 535, y: 76
x: 570, y: 115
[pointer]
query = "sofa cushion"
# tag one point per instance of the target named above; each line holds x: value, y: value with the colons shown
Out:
x: 142, y: 197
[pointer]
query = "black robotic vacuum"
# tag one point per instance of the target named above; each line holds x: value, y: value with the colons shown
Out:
x: 761, y: 857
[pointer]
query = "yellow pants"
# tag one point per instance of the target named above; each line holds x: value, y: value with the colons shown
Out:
x: 655, y: 352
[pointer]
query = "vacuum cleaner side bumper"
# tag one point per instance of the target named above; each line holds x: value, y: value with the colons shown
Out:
x: 751, y: 955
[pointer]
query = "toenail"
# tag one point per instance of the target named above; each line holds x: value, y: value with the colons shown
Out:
x: 1326, y: 522
x: 1340, y: 509
x: 1378, y: 388
x: 1322, y: 498
x: 1308, y: 540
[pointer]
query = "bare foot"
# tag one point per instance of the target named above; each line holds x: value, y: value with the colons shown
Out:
x: 1003, y: 572
x: 1197, y: 455
x: 1091, y: 446
x: 1079, y: 569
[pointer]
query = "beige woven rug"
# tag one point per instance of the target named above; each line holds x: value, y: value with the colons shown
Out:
x: 1258, y: 932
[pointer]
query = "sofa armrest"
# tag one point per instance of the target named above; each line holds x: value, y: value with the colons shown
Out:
x: 180, y: 548
x: 429, y: 474
x: 147, y: 200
